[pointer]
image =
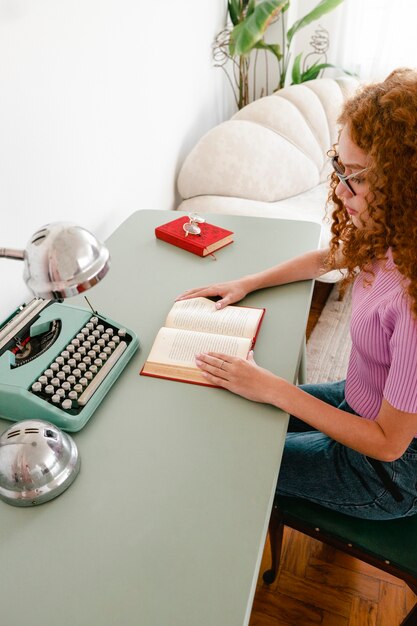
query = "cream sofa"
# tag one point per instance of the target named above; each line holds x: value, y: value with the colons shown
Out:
x: 270, y: 159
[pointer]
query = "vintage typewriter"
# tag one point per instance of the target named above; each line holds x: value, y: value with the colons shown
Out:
x: 57, y: 362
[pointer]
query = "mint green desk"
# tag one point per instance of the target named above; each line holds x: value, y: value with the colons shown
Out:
x: 166, y: 522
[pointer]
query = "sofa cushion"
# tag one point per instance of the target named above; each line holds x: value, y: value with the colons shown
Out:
x: 272, y: 149
x: 287, y: 121
x: 247, y: 160
x: 309, y: 206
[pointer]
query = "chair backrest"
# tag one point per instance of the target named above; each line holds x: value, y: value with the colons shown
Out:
x: 271, y: 149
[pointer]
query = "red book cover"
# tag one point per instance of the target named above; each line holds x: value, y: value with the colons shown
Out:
x: 210, y: 239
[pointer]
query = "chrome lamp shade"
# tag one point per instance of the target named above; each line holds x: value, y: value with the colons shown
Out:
x: 61, y: 260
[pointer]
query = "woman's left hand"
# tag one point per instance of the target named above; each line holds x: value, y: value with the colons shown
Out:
x: 241, y: 376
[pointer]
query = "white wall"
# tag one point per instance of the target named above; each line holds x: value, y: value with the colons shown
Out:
x: 100, y: 101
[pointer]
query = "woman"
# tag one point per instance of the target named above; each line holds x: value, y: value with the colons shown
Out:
x: 351, y: 445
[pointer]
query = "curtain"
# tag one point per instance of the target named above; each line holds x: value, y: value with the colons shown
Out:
x: 376, y: 36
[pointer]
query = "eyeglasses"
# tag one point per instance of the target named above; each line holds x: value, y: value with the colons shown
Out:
x: 192, y: 227
x: 339, y: 171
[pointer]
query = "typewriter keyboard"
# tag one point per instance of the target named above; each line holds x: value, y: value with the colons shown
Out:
x: 71, y: 380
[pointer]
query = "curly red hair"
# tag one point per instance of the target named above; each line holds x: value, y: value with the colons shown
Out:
x: 382, y: 121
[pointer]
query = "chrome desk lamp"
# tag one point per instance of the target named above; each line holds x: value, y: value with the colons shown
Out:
x: 61, y: 260
x: 37, y: 460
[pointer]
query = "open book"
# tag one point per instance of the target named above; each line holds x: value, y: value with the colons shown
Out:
x: 195, y: 326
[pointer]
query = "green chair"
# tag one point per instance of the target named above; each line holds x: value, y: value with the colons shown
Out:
x: 389, y: 545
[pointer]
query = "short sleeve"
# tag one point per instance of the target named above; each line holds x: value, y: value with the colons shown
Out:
x: 401, y: 384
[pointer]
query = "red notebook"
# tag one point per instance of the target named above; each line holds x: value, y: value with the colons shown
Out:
x: 194, y: 326
x: 210, y: 239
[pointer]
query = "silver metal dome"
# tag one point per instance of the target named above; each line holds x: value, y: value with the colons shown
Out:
x: 38, y: 462
x: 61, y: 260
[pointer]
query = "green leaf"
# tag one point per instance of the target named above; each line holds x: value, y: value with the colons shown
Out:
x: 323, y: 7
x: 272, y: 47
x: 312, y: 72
x: 234, y: 11
x: 296, y: 70
x: 246, y: 35
x: 251, y: 7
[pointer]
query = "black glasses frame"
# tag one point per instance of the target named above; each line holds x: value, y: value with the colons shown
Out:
x: 342, y: 177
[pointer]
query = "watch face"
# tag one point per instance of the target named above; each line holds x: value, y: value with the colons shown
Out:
x: 26, y: 348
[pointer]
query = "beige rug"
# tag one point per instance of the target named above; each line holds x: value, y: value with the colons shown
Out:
x: 329, y: 345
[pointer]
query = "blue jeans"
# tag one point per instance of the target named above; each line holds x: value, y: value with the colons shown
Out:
x: 319, y: 469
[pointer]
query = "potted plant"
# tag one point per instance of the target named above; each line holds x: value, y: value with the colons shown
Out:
x: 250, y: 20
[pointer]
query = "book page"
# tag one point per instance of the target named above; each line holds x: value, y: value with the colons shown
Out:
x: 200, y: 314
x: 179, y: 347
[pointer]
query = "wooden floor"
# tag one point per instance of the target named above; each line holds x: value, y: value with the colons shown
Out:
x: 317, y: 584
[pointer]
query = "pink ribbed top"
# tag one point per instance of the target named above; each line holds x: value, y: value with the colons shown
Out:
x: 383, y: 361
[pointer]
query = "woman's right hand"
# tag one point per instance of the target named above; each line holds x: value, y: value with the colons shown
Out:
x: 229, y: 292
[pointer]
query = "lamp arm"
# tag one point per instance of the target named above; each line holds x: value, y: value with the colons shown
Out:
x: 10, y: 253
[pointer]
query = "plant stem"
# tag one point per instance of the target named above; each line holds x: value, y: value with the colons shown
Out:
x: 243, y: 81
x: 284, y: 47
x: 267, y: 74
